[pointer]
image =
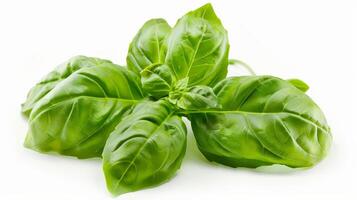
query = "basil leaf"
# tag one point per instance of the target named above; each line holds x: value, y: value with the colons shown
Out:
x: 264, y: 120
x: 145, y: 149
x: 77, y: 115
x: 194, y: 98
x: 198, y: 48
x: 56, y: 76
x: 181, y: 84
x: 157, y: 80
x: 299, y: 84
x: 147, y: 46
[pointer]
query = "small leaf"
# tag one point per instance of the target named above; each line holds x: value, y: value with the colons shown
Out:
x: 181, y: 84
x: 157, y: 80
x: 299, y: 84
x: 195, y: 98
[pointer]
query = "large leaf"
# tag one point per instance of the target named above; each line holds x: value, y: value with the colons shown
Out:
x: 145, y: 149
x: 56, y: 76
x: 77, y: 115
x: 198, y: 48
x: 265, y: 120
x: 147, y: 46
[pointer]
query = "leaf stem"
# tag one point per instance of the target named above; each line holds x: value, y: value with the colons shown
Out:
x: 241, y: 63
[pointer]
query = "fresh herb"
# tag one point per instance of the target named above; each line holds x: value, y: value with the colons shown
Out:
x: 132, y: 116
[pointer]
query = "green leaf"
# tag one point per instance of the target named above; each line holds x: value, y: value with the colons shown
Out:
x: 194, y: 98
x: 198, y: 47
x: 147, y: 46
x: 264, y: 120
x: 145, y: 149
x: 180, y: 85
x: 77, y: 115
x: 299, y: 84
x: 55, y: 77
x: 157, y: 80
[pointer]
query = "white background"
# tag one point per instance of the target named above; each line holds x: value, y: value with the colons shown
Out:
x: 311, y: 40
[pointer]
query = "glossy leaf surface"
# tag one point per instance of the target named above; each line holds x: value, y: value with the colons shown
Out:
x: 77, y: 115
x: 198, y: 48
x: 157, y: 80
x: 265, y: 120
x: 147, y: 46
x: 56, y: 76
x: 145, y: 149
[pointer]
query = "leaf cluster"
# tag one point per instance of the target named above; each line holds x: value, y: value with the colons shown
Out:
x: 131, y: 116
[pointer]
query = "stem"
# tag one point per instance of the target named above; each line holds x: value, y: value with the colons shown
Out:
x: 241, y: 63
